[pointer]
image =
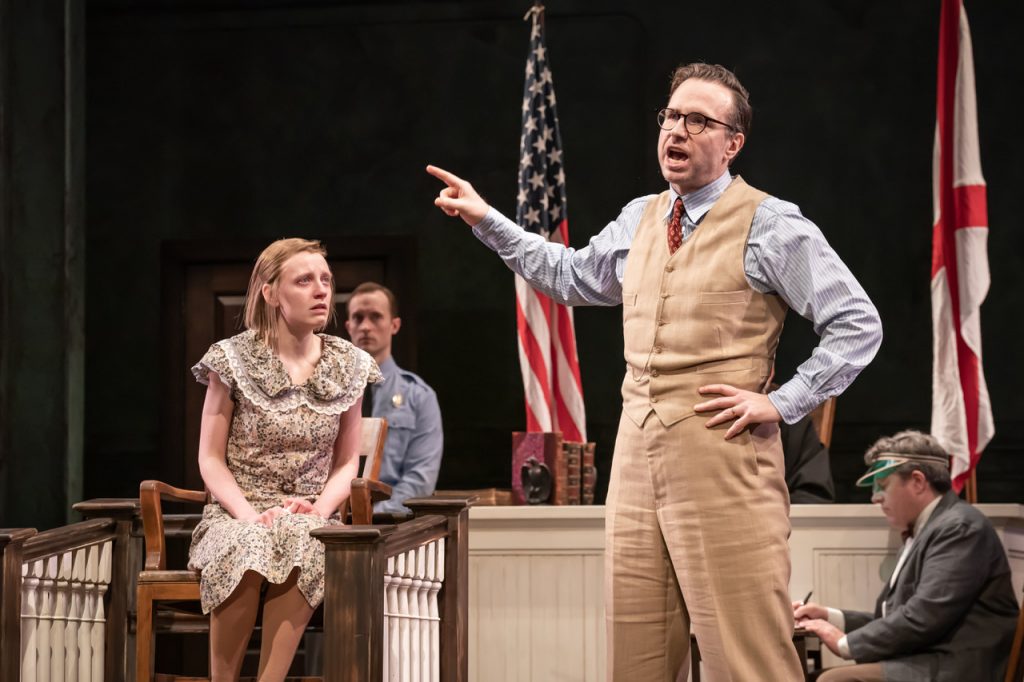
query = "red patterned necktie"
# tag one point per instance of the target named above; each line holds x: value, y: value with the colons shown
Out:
x: 675, y: 227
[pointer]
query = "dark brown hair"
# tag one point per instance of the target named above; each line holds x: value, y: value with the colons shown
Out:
x: 715, y: 73
x: 370, y: 287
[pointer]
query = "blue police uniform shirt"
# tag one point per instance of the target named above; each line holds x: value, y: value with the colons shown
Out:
x: 412, y: 451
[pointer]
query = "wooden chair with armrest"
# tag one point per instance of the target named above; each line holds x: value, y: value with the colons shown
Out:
x: 368, y: 489
x: 823, y: 417
x: 158, y: 584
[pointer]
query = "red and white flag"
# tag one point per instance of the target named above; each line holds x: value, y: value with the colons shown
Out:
x: 547, y: 342
x: 961, y: 412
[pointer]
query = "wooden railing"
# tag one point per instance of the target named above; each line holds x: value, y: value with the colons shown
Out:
x: 395, y: 596
x: 410, y: 620
x: 63, y: 609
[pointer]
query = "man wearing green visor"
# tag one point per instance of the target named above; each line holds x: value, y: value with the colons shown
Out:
x: 948, y: 611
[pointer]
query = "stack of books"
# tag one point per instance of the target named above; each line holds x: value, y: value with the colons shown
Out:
x: 568, y: 466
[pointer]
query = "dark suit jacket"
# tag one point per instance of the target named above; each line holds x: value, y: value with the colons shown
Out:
x: 952, y: 613
x: 808, y: 473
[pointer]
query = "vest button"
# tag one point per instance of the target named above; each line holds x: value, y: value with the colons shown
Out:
x: 654, y: 372
x: 657, y: 349
x: 669, y: 268
x: 664, y: 295
x: 654, y: 398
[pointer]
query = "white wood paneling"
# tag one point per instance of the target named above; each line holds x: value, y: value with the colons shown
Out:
x: 536, y: 601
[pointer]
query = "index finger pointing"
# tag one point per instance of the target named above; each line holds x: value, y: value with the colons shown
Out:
x: 444, y: 176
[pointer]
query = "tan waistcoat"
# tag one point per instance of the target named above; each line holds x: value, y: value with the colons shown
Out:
x: 691, y: 319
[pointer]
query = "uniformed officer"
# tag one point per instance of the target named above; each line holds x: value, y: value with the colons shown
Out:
x: 412, y: 452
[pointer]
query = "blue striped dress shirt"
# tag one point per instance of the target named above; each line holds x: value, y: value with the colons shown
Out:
x: 786, y: 254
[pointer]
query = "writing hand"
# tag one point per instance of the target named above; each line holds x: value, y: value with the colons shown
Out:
x: 745, y: 407
x: 809, y: 611
x: 829, y: 634
x: 459, y: 198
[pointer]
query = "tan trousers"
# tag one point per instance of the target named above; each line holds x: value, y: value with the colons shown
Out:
x: 696, y: 537
x: 862, y: 672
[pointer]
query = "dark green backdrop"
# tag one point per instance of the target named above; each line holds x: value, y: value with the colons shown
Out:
x: 264, y: 119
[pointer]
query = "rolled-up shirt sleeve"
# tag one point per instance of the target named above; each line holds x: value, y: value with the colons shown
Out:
x: 787, y: 254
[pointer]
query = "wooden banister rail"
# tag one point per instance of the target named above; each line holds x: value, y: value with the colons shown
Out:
x: 12, y: 544
x: 33, y: 561
x: 454, y: 595
x: 113, y: 520
x: 359, y: 556
x: 126, y: 562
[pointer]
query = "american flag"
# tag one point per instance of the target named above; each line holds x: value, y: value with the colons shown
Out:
x: 547, y: 342
x: 961, y: 412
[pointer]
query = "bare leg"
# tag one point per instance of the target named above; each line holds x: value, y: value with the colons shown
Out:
x: 285, y: 615
x: 231, y: 626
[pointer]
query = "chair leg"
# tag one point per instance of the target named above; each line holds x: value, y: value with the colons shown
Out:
x: 144, y: 635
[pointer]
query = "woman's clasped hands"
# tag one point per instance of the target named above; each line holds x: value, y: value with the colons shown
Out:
x: 290, y: 505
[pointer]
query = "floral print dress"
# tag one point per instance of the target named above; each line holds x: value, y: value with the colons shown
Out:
x: 280, y: 445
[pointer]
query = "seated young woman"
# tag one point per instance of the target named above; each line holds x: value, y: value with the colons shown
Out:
x: 277, y: 451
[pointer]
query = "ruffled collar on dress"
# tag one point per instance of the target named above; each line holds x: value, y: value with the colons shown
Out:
x: 267, y: 371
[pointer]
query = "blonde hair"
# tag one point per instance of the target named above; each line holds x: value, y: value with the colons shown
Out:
x: 260, y: 316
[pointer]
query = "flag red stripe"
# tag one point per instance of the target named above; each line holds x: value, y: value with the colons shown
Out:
x: 536, y: 358
x: 532, y: 423
x: 565, y: 421
x: 568, y: 340
x: 563, y: 230
x: 969, y: 209
x: 970, y: 206
x: 946, y: 100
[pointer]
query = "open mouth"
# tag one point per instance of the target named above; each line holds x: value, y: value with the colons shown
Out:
x: 677, y: 155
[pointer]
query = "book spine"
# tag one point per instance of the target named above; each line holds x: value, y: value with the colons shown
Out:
x: 573, y: 453
x: 555, y: 456
x: 588, y: 474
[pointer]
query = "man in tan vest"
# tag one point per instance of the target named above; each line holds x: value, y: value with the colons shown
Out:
x: 697, y: 517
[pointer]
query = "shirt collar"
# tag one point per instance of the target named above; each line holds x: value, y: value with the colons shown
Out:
x: 388, y: 367
x: 699, y: 202
x: 925, y: 514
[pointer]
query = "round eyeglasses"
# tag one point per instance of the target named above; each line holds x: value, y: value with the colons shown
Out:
x: 694, y: 122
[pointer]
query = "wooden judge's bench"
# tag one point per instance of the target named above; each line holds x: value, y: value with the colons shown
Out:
x: 536, y: 600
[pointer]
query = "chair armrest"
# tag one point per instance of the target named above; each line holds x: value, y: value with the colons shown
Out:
x: 366, y: 492
x: 378, y: 491
x: 169, y: 492
x: 150, y: 494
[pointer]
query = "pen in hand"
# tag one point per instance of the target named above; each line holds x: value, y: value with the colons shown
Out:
x: 808, y: 597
